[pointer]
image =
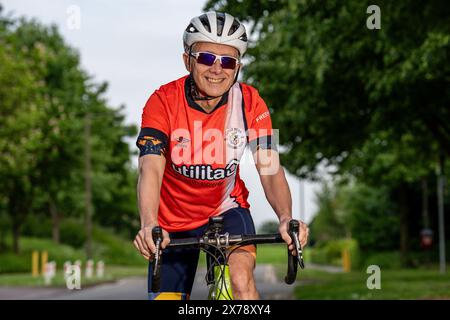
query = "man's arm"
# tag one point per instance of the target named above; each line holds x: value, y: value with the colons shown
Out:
x: 278, y: 194
x: 151, y: 171
x: 274, y: 183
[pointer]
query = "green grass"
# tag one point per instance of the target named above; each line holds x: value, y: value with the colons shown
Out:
x: 395, y: 284
x: 112, y: 273
x: 271, y: 253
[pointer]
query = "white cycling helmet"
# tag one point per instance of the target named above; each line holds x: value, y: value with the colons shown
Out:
x: 216, y: 27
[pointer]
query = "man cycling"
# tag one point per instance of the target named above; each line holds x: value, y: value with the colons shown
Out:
x: 193, y: 134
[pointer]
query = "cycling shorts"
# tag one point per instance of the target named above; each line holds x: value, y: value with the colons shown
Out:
x: 178, y: 266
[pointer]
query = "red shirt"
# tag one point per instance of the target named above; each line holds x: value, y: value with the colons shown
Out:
x: 203, y: 150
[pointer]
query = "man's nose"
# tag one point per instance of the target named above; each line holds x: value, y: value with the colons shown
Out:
x: 216, y: 67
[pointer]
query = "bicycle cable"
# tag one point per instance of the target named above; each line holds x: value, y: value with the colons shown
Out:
x: 222, y: 266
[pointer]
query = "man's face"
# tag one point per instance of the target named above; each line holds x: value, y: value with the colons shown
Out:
x: 212, y: 80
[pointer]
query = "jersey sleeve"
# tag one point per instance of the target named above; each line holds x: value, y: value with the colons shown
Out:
x: 154, y: 133
x: 260, y: 132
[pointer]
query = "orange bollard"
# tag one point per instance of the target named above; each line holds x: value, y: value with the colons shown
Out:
x: 35, y: 263
x: 346, y: 262
x: 44, y: 260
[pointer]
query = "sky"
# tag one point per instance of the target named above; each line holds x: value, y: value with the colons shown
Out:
x: 136, y: 46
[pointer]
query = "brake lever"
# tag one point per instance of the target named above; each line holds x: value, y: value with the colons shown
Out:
x: 294, y: 231
x: 299, y: 251
x: 157, y: 239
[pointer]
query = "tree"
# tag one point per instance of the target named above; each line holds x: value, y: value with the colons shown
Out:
x: 20, y: 134
x: 46, y: 97
x: 335, y: 88
x: 270, y: 226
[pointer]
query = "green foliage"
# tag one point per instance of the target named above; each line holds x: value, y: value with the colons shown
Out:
x: 385, y: 260
x: 37, y: 227
x: 368, y: 106
x: 270, y: 226
x: 331, y: 252
x: 338, y: 83
x: 73, y: 233
x: 114, y: 249
x: 371, y: 217
x: 45, y: 97
x: 107, y: 246
x: 15, y: 263
x: 327, y: 224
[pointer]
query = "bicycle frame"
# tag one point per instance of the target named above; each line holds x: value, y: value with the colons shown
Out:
x: 221, y: 288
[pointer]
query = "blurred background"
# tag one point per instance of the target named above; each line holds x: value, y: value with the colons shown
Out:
x: 360, y: 95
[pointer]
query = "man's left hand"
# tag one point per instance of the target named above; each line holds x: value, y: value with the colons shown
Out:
x: 302, y: 236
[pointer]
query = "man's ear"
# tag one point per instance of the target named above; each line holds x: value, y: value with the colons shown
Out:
x: 186, y: 61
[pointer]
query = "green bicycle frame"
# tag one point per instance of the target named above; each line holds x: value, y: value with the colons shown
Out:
x: 221, y: 288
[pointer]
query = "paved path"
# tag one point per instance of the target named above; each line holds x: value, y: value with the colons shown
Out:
x: 135, y: 289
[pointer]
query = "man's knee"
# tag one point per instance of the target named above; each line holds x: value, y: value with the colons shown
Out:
x: 241, y: 273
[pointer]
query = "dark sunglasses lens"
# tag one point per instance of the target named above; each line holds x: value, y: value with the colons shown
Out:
x: 228, y: 63
x: 206, y: 58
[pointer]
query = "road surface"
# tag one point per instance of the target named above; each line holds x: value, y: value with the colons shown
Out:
x: 135, y: 288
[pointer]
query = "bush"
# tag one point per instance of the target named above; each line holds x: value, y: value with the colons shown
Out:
x: 37, y: 226
x: 107, y: 246
x: 331, y: 252
x: 115, y: 250
x: 385, y: 260
x: 270, y: 226
x: 73, y: 233
x: 12, y: 263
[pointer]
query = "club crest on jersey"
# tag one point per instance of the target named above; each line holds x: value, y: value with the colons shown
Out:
x: 235, y: 137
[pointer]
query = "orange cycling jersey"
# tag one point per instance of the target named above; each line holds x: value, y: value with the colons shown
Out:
x: 202, y: 150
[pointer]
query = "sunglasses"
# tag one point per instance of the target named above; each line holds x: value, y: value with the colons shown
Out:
x: 208, y: 59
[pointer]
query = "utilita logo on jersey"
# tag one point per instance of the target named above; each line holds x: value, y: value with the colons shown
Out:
x: 206, y: 172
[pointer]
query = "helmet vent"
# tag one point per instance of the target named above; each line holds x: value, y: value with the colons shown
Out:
x: 220, y: 23
x: 205, y: 22
x: 191, y: 29
x: 234, y: 26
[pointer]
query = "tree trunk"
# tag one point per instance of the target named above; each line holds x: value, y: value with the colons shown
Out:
x: 88, y: 185
x: 15, y: 212
x: 425, y: 211
x: 56, y: 220
x: 16, y: 235
x: 404, y: 225
x: 441, y: 222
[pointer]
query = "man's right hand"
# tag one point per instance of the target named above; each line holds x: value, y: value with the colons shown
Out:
x: 144, y: 241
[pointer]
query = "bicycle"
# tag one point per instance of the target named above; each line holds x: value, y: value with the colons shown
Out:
x: 215, y: 244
